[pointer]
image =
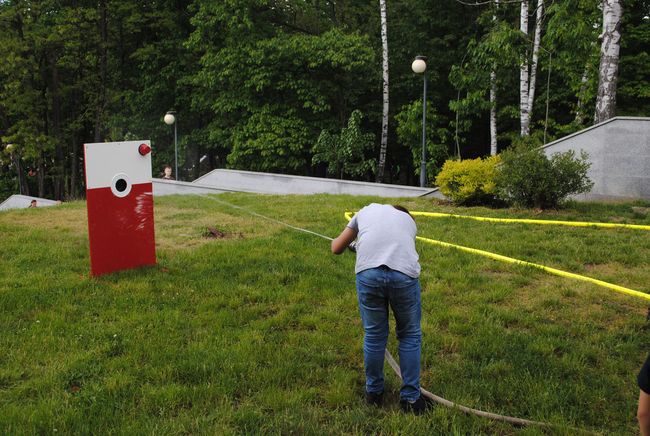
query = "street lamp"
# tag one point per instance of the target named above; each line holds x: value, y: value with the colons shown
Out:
x: 16, y: 161
x: 419, y: 66
x: 170, y: 119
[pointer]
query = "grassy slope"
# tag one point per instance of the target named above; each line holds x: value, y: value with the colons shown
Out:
x: 260, y: 332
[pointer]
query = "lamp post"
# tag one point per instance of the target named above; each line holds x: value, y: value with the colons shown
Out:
x: 16, y: 161
x: 170, y: 118
x: 419, y: 66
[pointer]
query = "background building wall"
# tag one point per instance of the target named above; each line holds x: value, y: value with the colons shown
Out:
x: 619, y: 152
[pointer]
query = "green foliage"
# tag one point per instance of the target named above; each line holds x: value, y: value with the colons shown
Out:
x: 571, y: 35
x: 344, y: 154
x: 469, y: 181
x: 528, y: 178
x: 260, y: 79
x: 66, y: 81
x: 633, y: 96
x: 499, y: 47
x: 409, y: 135
x: 268, y: 142
x: 7, y: 182
x: 24, y: 47
x: 295, y: 83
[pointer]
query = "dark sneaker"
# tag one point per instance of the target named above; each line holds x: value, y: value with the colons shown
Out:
x: 374, y: 399
x: 418, y: 407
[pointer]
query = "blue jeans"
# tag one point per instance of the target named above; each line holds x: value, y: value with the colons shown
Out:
x: 377, y: 288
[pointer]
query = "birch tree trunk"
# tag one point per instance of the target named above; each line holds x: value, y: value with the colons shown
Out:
x: 493, y: 113
x: 533, y: 68
x: 609, y: 56
x: 523, y: 72
x: 384, y: 121
x: 493, y: 102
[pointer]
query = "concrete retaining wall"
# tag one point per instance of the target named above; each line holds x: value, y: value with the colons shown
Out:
x: 163, y: 187
x: 18, y: 201
x: 619, y: 152
x: 268, y: 183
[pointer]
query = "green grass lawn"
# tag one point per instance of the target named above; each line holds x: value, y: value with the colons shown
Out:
x: 259, y: 332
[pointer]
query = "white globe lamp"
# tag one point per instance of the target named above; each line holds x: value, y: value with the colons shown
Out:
x: 419, y: 65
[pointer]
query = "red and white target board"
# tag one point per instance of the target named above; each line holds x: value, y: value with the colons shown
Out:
x: 119, y: 196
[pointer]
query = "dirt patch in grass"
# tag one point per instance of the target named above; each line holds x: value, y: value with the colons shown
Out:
x: 215, y: 233
x: 497, y: 273
x: 641, y: 210
x: 604, y: 269
x: 187, y: 228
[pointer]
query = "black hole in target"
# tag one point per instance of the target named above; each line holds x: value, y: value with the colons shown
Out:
x: 120, y: 185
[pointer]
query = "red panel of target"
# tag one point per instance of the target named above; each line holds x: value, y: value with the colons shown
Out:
x: 119, y: 197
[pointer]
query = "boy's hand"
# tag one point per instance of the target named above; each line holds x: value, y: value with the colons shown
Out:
x: 353, y: 246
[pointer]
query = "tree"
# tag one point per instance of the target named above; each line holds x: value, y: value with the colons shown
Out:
x: 81, y: 71
x: 409, y: 131
x: 384, y: 119
x: 571, y: 32
x: 609, y: 57
x: 493, y: 100
x: 524, y: 87
x: 258, y: 64
x: 633, y: 90
x: 344, y: 154
x: 27, y: 50
x: 486, y: 70
x: 255, y: 82
x: 533, y: 68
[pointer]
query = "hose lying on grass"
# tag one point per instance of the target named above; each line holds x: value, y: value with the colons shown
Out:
x: 512, y: 420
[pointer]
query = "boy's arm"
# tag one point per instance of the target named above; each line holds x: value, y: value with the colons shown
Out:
x: 341, y: 242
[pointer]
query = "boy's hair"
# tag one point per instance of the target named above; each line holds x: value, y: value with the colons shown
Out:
x: 403, y: 209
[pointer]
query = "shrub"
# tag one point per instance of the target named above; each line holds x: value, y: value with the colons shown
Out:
x: 469, y: 182
x: 344, y: 153
x: 528, y: 178
x: 409, y: 134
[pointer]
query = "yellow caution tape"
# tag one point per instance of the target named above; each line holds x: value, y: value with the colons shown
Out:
x: 554, y: 271
x: 530, y: 221
x: 550, y: 270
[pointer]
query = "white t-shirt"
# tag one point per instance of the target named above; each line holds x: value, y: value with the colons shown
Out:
x: 385, y: 236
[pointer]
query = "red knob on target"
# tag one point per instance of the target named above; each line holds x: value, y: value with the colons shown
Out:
x: 144, y: 149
